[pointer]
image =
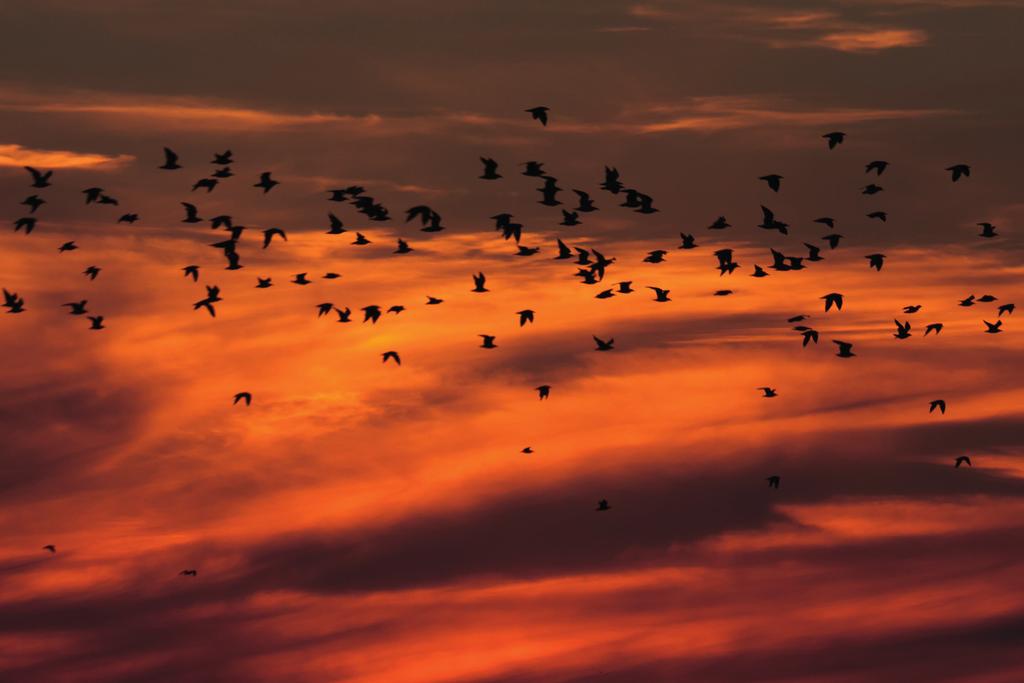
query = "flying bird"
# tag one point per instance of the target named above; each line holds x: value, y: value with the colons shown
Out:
x: 488, y: 341
x: 269, y: 234
x: 902, y: 329
x: 993, y: 328
x: 773, y: 181
x: 768, y: 392
x: 834, y: 138
x: 478, y: 283
x: 39, y: 178
x: 937, y: 403
x: 544, y: 390
x: 773, y: 481
x: 539, y: 114
x: 525, y: 316
x: 490, y: 169
x: 833, y: 299
x: 603, y: 345
x: 243, y: 396
x: 961, y: 460
x: 192, y: 271
x: 845, y: 349
x: 52, y: 548
x: 602, y: 505
x: 877, y: 166
x: 659, y: 293
x: 933, y: 327
x: 266, y: 182
x: 96, y: 322
x: 958, y: 171
x: 392, y: 355
x: 987, y: 230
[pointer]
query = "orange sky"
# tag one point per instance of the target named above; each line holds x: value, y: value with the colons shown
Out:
x: 378, y: 523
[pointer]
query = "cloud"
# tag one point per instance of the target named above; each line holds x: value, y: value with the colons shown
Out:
x: 17, y: 156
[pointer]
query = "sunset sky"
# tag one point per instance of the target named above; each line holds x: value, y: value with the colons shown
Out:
x: 374, y: 523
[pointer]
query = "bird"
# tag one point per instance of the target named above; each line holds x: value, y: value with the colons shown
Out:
x: 323, y: 309
x: 564, y: 252
x: 872, y: 189
x: 128, y: 218
x: 222, y: 159
x: 586, y: 203
x: 13, y: 302
x: 809, y: 336
x: 689, y: 241
x: 91, y: 272
x: 826, y: 220
x: 527, y: 450
x: 773, y: 181
x: 92, y: 194
x: 759, y: 271
x: 722, y: 292
x: 223, y: 172
x: 625, y: 287
x: 611, y: 181
x: 773, y: 481
x: 548, y: 192
x: 266, y: 182
x: 371, y: 313
x: 570, y: 218
x: 433, y: 300
x: 656, y: 256
x: 603, y: 345
x: 39, y: 178
x: 539, y: 114
x: 770, y: 223
x: 263, y: 283
x: 393, y: 355
x: 337, y: 227
x: 768, y: 392
x: 67, y: 246
x: 77, y: 307
x: 192, y: 271
x: 301, y: 279
x: 958, y: 171
x: 604, y: 294
x: 344, y: 316
x: 488, y: 341
x: 875, y: 261
x: 490, y: 169
x: 479, y: 280
x: 877, y: 166
x: 845, y: 349
x: 28, y: 222
x: 833, y: 299
x: 962, y: 459
x: 880, y: 215
x: 1006, y: 308
x: 207, y: 183
x: 52, y: 548
x: 96, y: 322
x: 544, y: 391
x: 396, y: 309
x: 937, y: 403
x: 602, y: 505
x: 534, y: 169
x: 987, y: 230
x: 659, y: 293
x: 933, y: 327
x: 242, y: 396
x: 902, y: 329
x: 719, y: 224
x: 993, y: 328
x: 269, y: 233
x: 969, y: 301
x: 361, y: 239
x: 525, y: 316
x: 191, y: 213
x: 986, y: 298
x: 834, y: 138
x: 188, y: 572
x: 33, y: 202
x: 814, y: 253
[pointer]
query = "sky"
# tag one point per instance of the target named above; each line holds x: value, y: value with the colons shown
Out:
x: 380, y: 523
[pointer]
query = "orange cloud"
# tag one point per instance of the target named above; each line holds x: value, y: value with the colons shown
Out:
x: 873, y: 40
x: 18, y: 156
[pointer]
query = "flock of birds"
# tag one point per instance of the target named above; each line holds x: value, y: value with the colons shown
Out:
x: 591, y: 263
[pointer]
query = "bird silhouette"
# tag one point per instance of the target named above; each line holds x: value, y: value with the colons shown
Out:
x: 188, y: 572
x: 549, y: 191
x: 770, y: 223
x: 77, y: 307
x: 961, y: 460
x: 689, y: 241
x: 937, y: 403
x: 33, y: 202
x: 809, y: 336
x: 28, y: 223
x: 361, y: 239
x: 205, y: 183
x: 488, y: 341
x: 52, y: 548
x: 611, y: 181
x: 433, y: 300
x: 872, y: 189
x: 902, y: 329
x: 875, y: 261
x: 604, y: 294
x: 958, y: 171
x: 719, y: 224
x: 393, y: 355
x: 269, y: 234
x: 768, y: 392
x: 659, y: 293
x: 833, y: 299
x: 263, y: 282
x: 39, y: 178
x: 877, y: 166
x: 911, y: 309
x: 266, y: 183
x: 845, y: 349
x: 759, y: 271
x: 479, y: 280
x: 91, y: 272
x: 223, y: 159
x: 192, y: 271
x: 969, y: 301
x: 603, y: 345
x: 834, y: 138
x: 96, y: 322
x: 344, y: 315
x: 987, y: 230
x: 602, y: 505
x: 13, y: 303
x: 1006, y: 308
x: 993, y: 328
x: 371, y: 313
x: 826, y: 220
x: 544, y: 390
x: 773, y: 181
x: 67, y: 246
x: 773, y: 481
x: 301, y: 279
x: 337, y: 227
x: 191, y: 213
x: 879, y: 215
x: 242, y: 396
x: 539, y: 114
x: 656, y: 256
x: 525, y: 316
x: 490, y: 169
x: 128, y: 218
x: 527, y: 450
x: 570, y: 218
x: 933, y: 327
x: 586, y: 204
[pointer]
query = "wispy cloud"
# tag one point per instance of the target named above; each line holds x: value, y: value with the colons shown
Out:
x: 17, y: 156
